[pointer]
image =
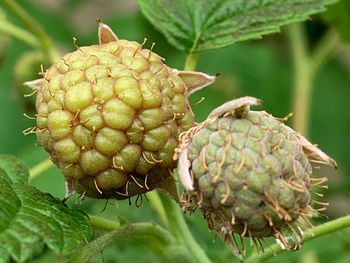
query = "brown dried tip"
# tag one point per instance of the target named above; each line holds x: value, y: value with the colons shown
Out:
x: 195, y: 81
x: 238, y: 107
x: 315, y: 152
x: 105, y: 33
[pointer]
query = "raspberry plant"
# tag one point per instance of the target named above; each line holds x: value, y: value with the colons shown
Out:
x: 118, y: 124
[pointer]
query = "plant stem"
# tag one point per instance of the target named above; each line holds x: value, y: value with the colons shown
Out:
x: 191, y: 61
x: 302, y: 77
x: 177, y: 224
x: 305, y: 68
x: 321, y: 230
x: 19, y: 33
x: 35, y: 28
x: 40, y: 168
x: 157, y: 205
x: 103, y: 224
x: 179, y: 229
x: 326, y: 47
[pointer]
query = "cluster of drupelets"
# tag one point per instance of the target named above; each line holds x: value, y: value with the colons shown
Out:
x: 110, y: 116
x: 115, y: 119
x: 251, y: 175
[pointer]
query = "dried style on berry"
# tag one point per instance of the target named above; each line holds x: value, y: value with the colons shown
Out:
x: 110, y: 116
x: 249, y: 174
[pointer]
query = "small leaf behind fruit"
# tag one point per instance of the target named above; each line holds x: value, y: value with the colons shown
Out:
x: 29, y: 219
x: 197, y: 25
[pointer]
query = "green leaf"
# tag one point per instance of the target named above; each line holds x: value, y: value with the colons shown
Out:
x: 197, y: 25
x: 4, y: 258
x: 154, y: 237
x: 339, y: 16
x: 15, y: 170
x: 29, y: 219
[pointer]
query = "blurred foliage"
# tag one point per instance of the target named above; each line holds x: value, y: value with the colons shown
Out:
x: 261, y: 68
x: 339, y: 16
x: 26, y: 69
x: 4, y: 40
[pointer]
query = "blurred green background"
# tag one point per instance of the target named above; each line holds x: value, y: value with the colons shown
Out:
x: 261, y: 68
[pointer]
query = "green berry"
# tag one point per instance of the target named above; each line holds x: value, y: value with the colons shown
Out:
x: 110, y: 116
x: 248, y: 172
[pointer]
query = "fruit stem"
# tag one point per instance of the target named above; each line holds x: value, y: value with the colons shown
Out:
x: 46, y: 43
x: 175, y: 216
x: 320, y: 230
x: 103, y: 224
x: 179, y: 229
x: 191, y: 61
x: 157, y: 205
x: 19, y: 33
x: 306, y: 66
x: 40, y: 168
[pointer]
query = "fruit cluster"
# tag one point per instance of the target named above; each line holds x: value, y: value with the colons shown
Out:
x: 114, y: 119
x: 110, y: 116
x: 248, y: 172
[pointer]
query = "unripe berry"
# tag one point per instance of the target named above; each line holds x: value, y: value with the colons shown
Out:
x: 248, y: 172
x: 110, y: 116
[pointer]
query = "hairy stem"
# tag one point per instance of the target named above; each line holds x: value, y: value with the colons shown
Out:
x: 179, y: 229
x: 40, y: 168
x: 321, y: 230
x: 103, y: 224
x: 305, y: 68
x: 46, y: 43
x: 19, y: 33
x: 302, y: 77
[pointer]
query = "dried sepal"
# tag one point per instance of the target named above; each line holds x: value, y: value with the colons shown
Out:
x: 238, y: 107
x: 315, y: 152
x: 106, y: 34
x: 195, y: 81
x: 69, y: 189
x: 183, y: 171
x: 35, y: 84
